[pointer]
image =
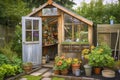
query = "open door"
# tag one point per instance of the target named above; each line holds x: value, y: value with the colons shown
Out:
x: 32, y: 40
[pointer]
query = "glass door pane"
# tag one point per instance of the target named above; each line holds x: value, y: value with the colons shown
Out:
x: 35, y: 24
x: 35, y: 35
x: 28, y: 35
x: 28, y: 24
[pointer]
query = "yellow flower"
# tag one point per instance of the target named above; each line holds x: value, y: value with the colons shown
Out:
x: 69, y: 60
x: 86, y: 56
x: 92, y: 47
x: 85, y: 51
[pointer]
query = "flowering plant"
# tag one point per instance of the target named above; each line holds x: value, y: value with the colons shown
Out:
x: 100, y: 56
x: 61, y: 62
x: 76, y: 61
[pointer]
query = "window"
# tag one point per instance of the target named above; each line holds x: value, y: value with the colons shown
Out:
x: 32, y: 30
x: 49, y: 11
x: 75, y: 30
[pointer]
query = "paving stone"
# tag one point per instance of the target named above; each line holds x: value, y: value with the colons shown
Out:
x: 40, y: 72
x: 47, y: 74
x: 46, y: 79
x: 36, y: 73
x: 23, y: 79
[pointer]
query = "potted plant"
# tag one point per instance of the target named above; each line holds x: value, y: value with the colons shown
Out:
x: 100, y: 57
x: 117, y: 65
x: 75, y: 64
x: 85, y: 56
x: 27, y: 66
x: 112, y: 18
x: 61, y: 64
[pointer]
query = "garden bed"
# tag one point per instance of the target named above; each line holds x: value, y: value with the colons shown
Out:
x: 21, y: 74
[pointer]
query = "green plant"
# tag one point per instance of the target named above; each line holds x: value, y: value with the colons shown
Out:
x: 100, y: 56
x: 7, y: 51
x: 3, y: 59
x: 17, y: 41
x: 27, y: 64
x: 76, y: 61
x: 30, y: 77
x: 2, y: 73
x: 57, y: 78
x: 10, y: 70
x: 112, y: 18
x: 61, y: 62
x: 117, y: 64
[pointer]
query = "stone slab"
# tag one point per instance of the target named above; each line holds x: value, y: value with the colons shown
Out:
x: 40, y: 72
x: 47, y: 74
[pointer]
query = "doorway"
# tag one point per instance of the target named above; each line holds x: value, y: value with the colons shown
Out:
x: 49, y: 37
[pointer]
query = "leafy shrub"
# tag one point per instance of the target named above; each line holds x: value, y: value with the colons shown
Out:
x: 17, y: 41
x: 4, y: 59
x: 10, y: 70
x: 2, y: 73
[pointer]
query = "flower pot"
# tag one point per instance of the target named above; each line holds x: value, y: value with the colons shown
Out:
x: 97, y: 70
x: 57, y: 72
x: 74, y: 67
x: 64, y: 72
x: 108, y: 73
x: 27, y: 68
x: 77, y: 72
x: 88, y: 70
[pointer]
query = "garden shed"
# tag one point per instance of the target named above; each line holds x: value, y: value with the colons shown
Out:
x: 63, y: 31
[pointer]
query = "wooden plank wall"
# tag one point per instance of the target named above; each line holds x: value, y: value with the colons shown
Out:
x: 108, y: 33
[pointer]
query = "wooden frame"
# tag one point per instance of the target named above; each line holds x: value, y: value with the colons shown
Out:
x: 61, y: 11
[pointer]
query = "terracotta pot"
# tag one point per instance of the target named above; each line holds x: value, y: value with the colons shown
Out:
x: 57, y: 72
x: 64, y: 72
x: 74, y: 67
x: 97, y: 70
x: 27, y: 68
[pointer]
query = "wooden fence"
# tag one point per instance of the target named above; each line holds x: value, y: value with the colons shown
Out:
x: 109, y: 34
x: 6, y: 34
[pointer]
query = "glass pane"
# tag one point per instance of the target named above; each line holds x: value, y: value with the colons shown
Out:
x: 28, y: 35
x: 84, y: 33
x: 68, y: 32
x: 36, y: 36
x: 28, y: 24
x: 49, y: 11
x: 35, y: 24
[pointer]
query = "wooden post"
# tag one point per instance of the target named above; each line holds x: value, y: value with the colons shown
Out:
x: 90, y: 34
x: 73, y: 31
x: 50, y: 2
x: 60, y: 26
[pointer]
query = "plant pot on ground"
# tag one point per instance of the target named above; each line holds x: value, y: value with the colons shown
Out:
x: 61, y: 64
x: 100, y: 56
x: 27, y: 67
x: 88, y: 70
x: 117, y: 66
x: 75, y: 64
